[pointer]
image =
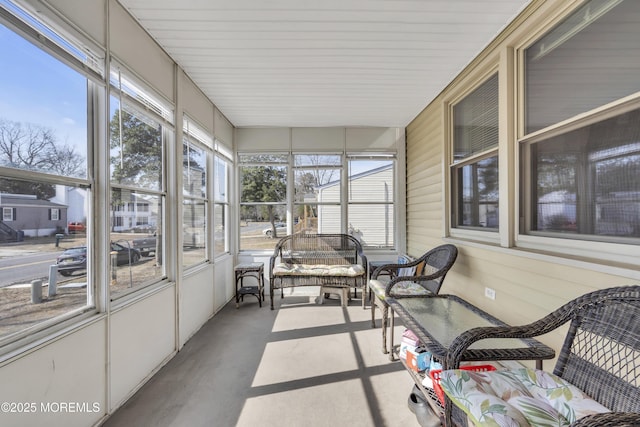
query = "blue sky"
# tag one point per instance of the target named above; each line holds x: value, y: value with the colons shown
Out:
x: 36, y: 88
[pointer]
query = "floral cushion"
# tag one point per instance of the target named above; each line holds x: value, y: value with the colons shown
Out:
x: 517, y: 398
x: 346, y: 270
x: 401, y: 288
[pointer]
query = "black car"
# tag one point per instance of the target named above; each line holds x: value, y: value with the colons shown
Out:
x: 75, y: 259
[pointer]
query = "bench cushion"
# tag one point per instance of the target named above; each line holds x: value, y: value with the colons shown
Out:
x: 401, y: 288
x: 521, y: 397
x: 284, y: 269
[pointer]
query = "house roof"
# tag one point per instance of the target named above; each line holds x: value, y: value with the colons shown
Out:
x: 13, y: 200
x: 357, y: 176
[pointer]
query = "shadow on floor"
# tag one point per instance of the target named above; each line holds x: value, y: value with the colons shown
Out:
x: 302, y: 364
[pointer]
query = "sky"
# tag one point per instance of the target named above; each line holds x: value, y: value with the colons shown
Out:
x: 36, y: 88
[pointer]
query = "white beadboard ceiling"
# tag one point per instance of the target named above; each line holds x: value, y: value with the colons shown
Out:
x: 317, y: 63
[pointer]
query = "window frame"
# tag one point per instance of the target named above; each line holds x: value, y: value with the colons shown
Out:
x: 587, y: 247
x: 344, y: 202
x: 316, y: 167
x: 194, y: 135
x: 392, y: 203
x: 78, y: 54
x: 124, y: 85
x: 464, y: 89
x: 10, y: 217
x: 222, y: 155
x: 285, y: 161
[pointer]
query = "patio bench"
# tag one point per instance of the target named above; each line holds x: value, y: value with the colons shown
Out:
x: 326, y: 260
x: 596, y: 380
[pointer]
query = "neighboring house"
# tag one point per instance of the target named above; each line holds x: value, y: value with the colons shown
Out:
x: 77, y: 201
x: 26, y: 215
x: 374, y: 225
x: 135, y: 212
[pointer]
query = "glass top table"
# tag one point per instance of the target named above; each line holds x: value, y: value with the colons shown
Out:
x: 438, y: 319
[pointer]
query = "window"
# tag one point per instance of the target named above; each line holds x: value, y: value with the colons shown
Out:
x: 222, y: 167
x: 44, y: 169
x: 263, y: 199
x: 585, y: 182
x: 313, y: 197
x: 317, y: 193
x: 139, y: 131
x: 195, y: 153
x: 474, y: 168
x: 8, y: 214
x: 588, y: 60
x: 371, y: 200
x: 580, y: 177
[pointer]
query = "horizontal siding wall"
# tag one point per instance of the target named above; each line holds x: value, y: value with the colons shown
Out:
x: 424, y: 181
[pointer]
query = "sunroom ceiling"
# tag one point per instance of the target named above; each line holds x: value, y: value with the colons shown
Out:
x: 304, y: 63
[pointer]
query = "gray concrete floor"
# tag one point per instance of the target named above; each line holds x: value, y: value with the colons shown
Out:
x: 303, y: 364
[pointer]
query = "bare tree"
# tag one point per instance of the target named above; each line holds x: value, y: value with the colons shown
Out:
x: 33, y: 147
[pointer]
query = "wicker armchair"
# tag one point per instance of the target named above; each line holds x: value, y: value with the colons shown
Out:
x: 600, y: 354
x: 418, y: 277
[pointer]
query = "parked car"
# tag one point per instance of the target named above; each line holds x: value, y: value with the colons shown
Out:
x: 76, y: 227
x: 146, y: 245
x: 281, y: 228
x: 75, y: 259
x: 145, y: 228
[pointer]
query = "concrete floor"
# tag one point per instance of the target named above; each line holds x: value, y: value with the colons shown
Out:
x: 303, y: 364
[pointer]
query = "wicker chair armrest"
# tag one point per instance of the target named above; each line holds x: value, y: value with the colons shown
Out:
x: 392, y: 269
x: 463, y: 341
x: 387, y: 269
x: 277, y: 253
x: 609, y: 419
x: 542, y: 326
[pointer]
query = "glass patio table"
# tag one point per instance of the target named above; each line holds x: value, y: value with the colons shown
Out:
x: 437, y: 320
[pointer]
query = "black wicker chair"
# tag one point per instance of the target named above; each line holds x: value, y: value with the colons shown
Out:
x: 428, y: 275
x: 600, y: 355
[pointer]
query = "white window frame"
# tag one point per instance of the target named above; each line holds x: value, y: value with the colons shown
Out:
x: 622, y: 254
x: 318, y: 203
x: 466, y: 87
x: 7, y: 214
x: 224, y: 156
x: 344, y: 193
x: 78, y: 54
x: 135, y: 94
x: 391, y: 203
x: 195, y: 135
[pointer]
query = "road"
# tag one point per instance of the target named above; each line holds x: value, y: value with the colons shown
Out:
x: 18, y: 268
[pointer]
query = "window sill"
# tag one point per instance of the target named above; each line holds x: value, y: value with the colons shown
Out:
x: 553, y: 253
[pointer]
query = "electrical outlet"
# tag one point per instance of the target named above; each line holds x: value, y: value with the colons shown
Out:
x: 490, y: 293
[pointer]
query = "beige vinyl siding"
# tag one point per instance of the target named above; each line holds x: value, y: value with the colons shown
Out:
x: 424, y: 181
x: 528, y: 284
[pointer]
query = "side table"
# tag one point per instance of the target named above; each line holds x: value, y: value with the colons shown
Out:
x: 255, y: 270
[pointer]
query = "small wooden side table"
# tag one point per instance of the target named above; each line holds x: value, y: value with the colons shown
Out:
x: 252, y: 269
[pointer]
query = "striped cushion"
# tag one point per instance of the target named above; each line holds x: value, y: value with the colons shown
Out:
x: 346, y: 270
